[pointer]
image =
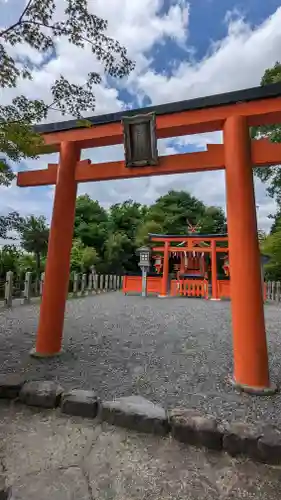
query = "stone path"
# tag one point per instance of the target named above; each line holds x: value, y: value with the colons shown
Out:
x: 171, y: 351
x: 46, y: 456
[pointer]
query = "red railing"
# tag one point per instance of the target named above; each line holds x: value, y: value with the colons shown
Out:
x: 189, y: 288
x: 133, y: 284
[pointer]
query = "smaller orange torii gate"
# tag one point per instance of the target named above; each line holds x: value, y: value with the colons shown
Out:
x: 191, y: 244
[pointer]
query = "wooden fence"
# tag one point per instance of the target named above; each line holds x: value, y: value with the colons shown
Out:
x: 23, y: 290
x: 273, y: 291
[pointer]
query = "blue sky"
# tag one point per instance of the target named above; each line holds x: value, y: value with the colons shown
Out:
x: 208, y: 24
x: 182, y: 50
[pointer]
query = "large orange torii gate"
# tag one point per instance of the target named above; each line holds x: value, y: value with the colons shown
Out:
x: 233, y: 113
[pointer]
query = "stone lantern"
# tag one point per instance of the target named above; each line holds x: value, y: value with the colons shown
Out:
x: 144, y: 263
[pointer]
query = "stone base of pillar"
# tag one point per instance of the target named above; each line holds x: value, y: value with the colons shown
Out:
x: 163, y: 296
x: 34, y: 354
x: 255, y: 391
x: 216, y: 300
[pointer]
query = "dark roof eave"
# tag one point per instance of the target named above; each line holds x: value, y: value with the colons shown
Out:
x: 228, y: 98
x: 180, y: 236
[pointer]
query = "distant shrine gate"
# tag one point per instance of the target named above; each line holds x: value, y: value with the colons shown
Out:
x: 139, y: 130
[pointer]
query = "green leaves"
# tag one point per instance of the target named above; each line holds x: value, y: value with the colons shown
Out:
x: 116, y: 234
x: 84, y: 123
x: 8, y: 223
x: 9, y: 257
x: 39, y: 28
x: 6, y: 173
x: 109, y: 239
x: 271, y: 175
x: 172, y: 211
x: 34, y: 234
x: 271, y: 245
x: 82, y: 257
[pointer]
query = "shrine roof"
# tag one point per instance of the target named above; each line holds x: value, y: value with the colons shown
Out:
x: 215, y: 100
x: 193, y: 236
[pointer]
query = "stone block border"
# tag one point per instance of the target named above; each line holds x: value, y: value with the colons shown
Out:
x: 259, y: 442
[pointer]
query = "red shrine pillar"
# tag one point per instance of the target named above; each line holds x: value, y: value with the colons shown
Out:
x: 165, y: 277
x: 50, y: 329
x: 214, y: 270
x: 182, y: 265
x: 249, y: 336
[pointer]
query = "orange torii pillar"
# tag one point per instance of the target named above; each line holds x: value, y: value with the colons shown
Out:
x: 249, y: 336
x: 165, y: 277
x: 214, y: 270
x: 50, y: 329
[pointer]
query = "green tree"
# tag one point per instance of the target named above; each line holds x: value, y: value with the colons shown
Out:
x: 34, y: 234
x: 172, y: 211
x: 27, y: 262
x: 126, y: 217
x: 120, y: 253
x: 8, y: 223
x: 272, y: 174
x: 213, y: 221
x: 271, y: 246
x: 90, y: 224
x: 9, y: 256
x: 82, y: 257
x: 124, y: 221
x: 150, y: 226
x: 38, y: 26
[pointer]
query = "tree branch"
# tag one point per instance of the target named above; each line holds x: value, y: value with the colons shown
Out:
x: 25, y: 10
x: 11, y: 28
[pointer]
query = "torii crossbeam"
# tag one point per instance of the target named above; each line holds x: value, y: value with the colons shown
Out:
x: 233, y: 113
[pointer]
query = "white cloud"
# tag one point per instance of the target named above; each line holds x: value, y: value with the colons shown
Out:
x: 236, y: 62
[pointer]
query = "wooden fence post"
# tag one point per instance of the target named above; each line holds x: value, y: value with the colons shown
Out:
x: 267, y: 290
x: 273, y: 290
x: 9, y: 289
x: 27, y: 288
x: 96, y: 283
x: 106, y: 283
x: 75, y: 284
x: 83, y: 283
x: 42, y: 279
x: 90, y: 284
x: 115, y: 282
x: 278, y: 291
x: 110, y: 282
x: 101, y: 283
x: 37, y: 287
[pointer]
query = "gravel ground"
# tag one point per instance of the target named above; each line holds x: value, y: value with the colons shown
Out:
x: 171, y: 351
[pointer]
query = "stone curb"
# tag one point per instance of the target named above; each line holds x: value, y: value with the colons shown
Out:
x: 260, y: 443
x: 80, y: 403
x: 136, y: 413
x: 10, y: 385
x: 188, y: 426
x: 44, y: 394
